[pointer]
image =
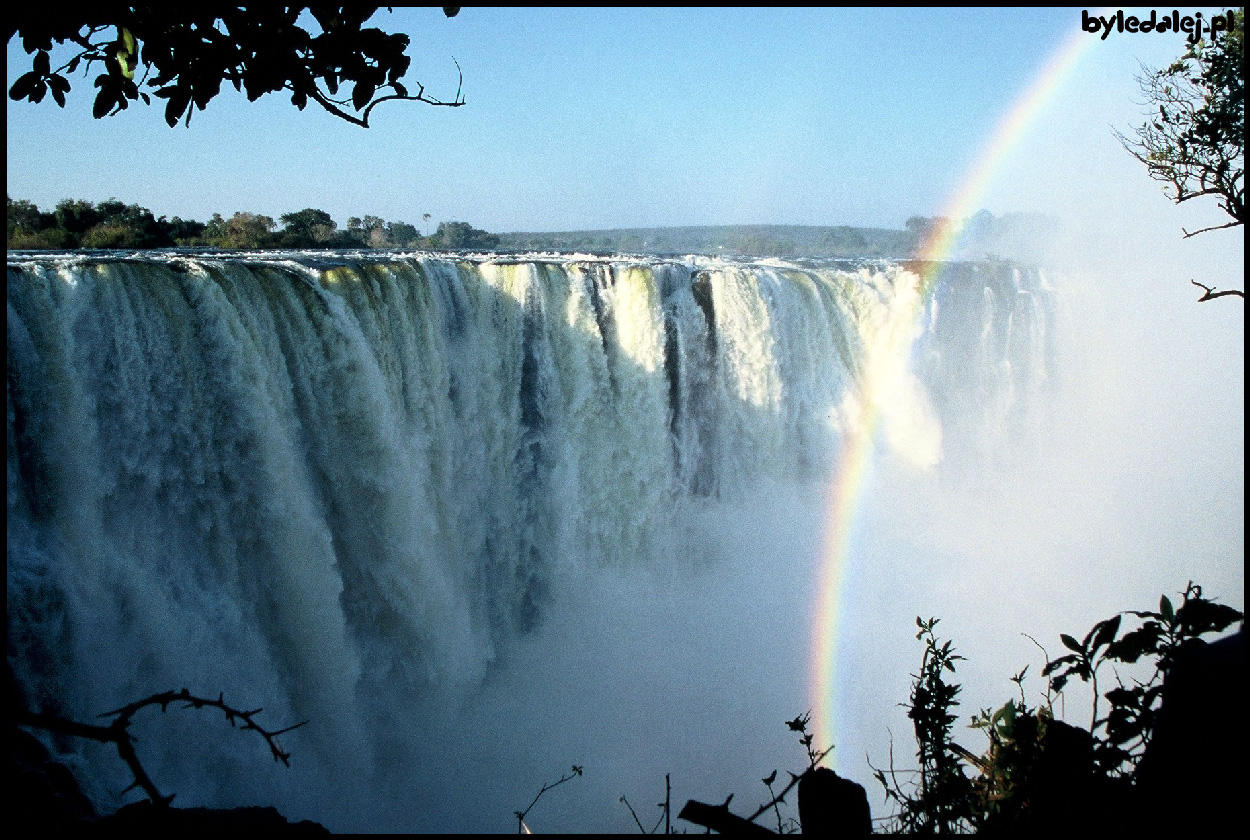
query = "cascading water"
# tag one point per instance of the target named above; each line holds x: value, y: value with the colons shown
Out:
x: 369, y: 491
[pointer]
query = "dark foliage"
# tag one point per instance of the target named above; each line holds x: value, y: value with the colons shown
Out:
x: 940, y: 800
x: 1041, y: 775
x: 1121, y: 737
x: 187, y: 52
x: 1195, y: 144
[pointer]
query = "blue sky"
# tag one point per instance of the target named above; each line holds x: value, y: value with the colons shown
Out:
x: 592, y: 118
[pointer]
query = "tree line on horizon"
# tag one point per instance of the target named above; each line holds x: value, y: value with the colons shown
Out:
x: 113, y: 224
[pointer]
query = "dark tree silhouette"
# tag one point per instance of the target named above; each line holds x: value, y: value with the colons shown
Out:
x: 188, y: 51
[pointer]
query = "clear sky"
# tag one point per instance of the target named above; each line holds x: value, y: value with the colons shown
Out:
x: 596, y: 118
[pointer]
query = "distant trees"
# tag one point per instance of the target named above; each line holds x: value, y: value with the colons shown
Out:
x: 742, y: 240
x: 843, y: 239
x: 123, y: 225
x: 366, y: 229
x: 462, y: 235
x: 114, y: 224
x: 184, y: 231
x: 309, y: 227
x: 28, y: 227
x: 402, y: 235
x: 187, y: 51
x: 376, y: 232
x: 242, y: 230
x: 76, y: 216
x: 82, y: 224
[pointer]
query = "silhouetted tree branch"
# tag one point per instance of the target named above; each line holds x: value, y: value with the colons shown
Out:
x: 634, y: 814
x: 521, y: 827
x: 118, y: 732
x: 1211, y: 293
x: 1207, y: 229
x: 665, y: 808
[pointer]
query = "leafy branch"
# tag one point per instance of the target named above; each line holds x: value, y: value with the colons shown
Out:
x: 189, y: 52
x: 1134, y: 708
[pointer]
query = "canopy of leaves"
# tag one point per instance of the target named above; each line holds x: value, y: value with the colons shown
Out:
x: 188, y: 51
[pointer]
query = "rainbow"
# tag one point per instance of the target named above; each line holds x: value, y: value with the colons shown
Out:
x: 856, y: 456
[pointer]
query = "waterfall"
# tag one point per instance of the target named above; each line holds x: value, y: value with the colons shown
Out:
x: 349, y: 488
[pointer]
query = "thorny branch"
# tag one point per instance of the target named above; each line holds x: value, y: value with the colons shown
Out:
x: 118, y: 732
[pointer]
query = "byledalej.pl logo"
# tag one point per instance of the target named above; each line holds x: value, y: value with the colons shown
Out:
x: 1194, y: 26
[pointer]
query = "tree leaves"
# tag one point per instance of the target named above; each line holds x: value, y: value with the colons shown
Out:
x: 28, y: 86
x: 1134, y: 707
x: 361, y: 94
x: 179, y: 98
x: 188, y: 51
x: 59, y: 86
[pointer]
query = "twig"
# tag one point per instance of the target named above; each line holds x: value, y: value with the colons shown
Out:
x: 1206, y: 229
x: 331, y: 105
x: 668, y: 805
x: 1211, y: 293
x: 794, y: 780
x: 768, y: 782
x: 633, y: 814
x: 663, y: 818
x: 521, y: 827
